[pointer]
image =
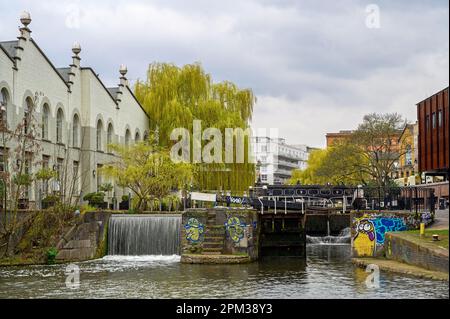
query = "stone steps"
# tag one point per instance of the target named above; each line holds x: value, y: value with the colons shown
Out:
x: 218, y: 245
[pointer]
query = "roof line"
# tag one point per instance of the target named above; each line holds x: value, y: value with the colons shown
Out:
x: 7, y: 54
x: 446, y: 88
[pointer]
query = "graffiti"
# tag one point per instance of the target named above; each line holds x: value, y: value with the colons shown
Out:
x: 235, y: 228
x: 371, y: 230
x: 384, y: 225
x: 364, y: 243
x: 194, y: 230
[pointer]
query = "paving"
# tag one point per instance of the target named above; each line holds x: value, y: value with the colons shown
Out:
x: 440, y: 219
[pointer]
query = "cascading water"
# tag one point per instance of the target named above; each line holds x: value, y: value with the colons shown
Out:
x: 144, y: 235
x: 342, y: 238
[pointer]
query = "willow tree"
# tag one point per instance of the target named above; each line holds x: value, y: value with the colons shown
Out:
x: 175, y: 96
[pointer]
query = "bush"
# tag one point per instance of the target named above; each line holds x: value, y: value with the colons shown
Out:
x: 95, y: 199
x: 51, y: 255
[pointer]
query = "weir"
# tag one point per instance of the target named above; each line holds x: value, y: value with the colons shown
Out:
x: 342, y: 238
x: 144, y: 235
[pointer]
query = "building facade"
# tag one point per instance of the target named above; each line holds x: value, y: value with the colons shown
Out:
x: 338, y: 137
x: 276, y: 159
x: 433, y: 141
x: 407, y: 170
x: 78, y: 116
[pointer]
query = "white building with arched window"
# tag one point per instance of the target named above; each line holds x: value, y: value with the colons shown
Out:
x: 79, y: 116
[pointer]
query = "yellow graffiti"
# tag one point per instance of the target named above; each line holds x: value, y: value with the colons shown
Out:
x: 364, y: 243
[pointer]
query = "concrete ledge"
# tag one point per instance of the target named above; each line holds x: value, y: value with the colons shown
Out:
x: 400, y: 268
x: 214, y: 259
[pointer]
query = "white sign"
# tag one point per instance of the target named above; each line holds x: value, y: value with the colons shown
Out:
x: 203, y: 197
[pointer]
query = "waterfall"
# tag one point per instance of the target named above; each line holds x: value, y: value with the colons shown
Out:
x: 342, y: 238
x: 144, y: 235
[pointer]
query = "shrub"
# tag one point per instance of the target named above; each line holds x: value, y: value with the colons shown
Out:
x: 95, y: 199
x: 51, y: 255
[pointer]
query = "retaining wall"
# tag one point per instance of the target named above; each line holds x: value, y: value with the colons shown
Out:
x: 403, y: 250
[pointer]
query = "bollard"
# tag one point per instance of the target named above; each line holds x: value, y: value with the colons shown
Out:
x: 422, y: 229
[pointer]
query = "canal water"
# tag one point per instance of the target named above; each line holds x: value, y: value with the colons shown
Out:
x: 327, y: 273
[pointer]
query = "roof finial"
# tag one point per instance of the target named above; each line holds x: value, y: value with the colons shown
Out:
x: 76, y: 48
x: 25, y: 18
x: 123, y: 69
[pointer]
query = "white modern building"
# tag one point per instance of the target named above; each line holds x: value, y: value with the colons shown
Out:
x: 78, y: 116
x: 276, y: 159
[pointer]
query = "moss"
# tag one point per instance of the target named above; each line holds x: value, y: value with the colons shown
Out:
x: 102, y: 249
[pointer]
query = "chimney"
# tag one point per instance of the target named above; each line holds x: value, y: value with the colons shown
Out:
x: 25, y: 35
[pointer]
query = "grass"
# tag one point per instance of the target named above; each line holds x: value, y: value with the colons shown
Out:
x: 428, y: 238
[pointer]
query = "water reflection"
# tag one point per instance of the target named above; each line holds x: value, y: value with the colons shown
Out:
x: 326, y: 273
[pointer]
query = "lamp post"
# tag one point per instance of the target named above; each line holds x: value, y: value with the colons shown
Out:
x: 258, y: 172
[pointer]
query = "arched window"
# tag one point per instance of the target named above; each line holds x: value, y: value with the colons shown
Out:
x: 27, y: 114
x: 109, y: 137
x: 59, y: 126
x: 127, y: 137
x: 45, y: 116
x: 408, y: 155
x: 145, y: 136
x: 76, y: 131
x: 4, y: 100
x: 99, y: 135
x: 137, y: 137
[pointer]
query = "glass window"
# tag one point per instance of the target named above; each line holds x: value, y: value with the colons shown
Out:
x: 45, y: 116
x: 127, y: 137
x: 99, y: 135
x: 75, y: 170
x: 3, y: 108
x: 76, y: 131
x: 26, y: 114
x: 440, y: 118
x: 433, y: 120
x: 137, y: 137
x: 109, y: 138
x: 408, y: 155
x: 59, y: 125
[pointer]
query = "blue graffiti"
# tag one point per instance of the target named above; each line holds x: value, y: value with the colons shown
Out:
x: 383, y: 225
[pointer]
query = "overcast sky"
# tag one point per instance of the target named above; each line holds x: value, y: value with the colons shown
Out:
x: 314, y: 65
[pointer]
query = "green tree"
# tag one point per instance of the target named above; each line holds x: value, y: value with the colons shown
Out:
x: 175, y: 96
x: 368, y: 157
x: 148, y: 171
x: 377, y: 141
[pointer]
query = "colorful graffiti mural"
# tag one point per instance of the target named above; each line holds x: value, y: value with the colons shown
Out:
x: 384, y: 224
x: 370, y: 232
x: 364, y: 242
x: 194, y: 230
x: 235, y: 228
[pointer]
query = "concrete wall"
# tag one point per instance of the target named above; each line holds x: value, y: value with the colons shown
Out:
x: 224, y: 231
x: 369, y: 229
x: 406, y: 251
x: 86, y: 240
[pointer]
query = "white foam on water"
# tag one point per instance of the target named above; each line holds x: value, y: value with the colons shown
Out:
x: 143, y: 258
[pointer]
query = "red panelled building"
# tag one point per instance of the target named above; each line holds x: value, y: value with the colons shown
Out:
x: 433, y: 140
